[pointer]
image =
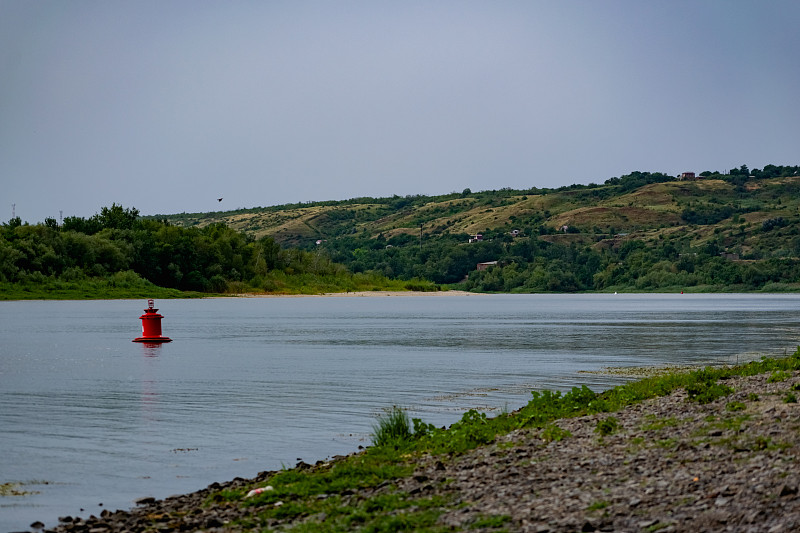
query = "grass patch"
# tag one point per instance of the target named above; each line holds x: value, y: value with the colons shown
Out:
x: 735, y: 406
x: 607, y: 426
x: 778, y: 376
x: 392, y: 428
x: 120, y: 286
x: 553, y: 433
x: 596, y: 506
x: 490, y: 522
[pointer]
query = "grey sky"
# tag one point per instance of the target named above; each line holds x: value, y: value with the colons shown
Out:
x: 166, y: 106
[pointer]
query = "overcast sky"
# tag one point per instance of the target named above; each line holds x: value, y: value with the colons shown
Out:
x: 167, y: 105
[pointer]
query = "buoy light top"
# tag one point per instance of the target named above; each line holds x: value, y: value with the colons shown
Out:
x: 150, y: 307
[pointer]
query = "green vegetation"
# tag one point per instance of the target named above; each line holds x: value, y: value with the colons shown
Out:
x: 553, y: 433
x: 116, y: 254
x: 777, y: 376
x: 321, y: 494
x: 607, y: 426
x: 392, y: 428
x: 655, y: 424
x: 735, y: 406
x: 731, y: 231
x: 645, y: 231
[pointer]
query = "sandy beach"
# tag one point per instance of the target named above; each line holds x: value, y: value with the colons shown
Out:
x: 359, y: 294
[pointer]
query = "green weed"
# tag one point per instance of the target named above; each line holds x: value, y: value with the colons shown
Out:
x: 553, y: 433
x: 607, y: 426
x: 596, y: 506
x: 735, y: 406
x: 491, y: 521
x: 778, y: 376
x: 392, y: 428
x: 655, y: 423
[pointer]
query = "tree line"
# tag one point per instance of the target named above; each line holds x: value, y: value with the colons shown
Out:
x: 214, y: 258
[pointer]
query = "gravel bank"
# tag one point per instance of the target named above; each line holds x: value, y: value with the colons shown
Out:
x: 671, y: 465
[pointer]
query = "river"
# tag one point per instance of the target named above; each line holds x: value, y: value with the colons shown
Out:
x: 90, y: 420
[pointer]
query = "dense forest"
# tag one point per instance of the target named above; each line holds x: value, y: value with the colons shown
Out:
x: 117, y: 250
x: 732, y: 231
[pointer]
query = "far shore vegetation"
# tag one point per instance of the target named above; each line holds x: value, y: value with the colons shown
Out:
x: 732, y: 231
x: 116, y: 254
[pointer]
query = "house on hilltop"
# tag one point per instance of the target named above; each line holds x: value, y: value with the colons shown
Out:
x: 687, y: 176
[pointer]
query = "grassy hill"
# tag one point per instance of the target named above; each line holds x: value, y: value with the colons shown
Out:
x: 648, y: 212
x: 753, y: 216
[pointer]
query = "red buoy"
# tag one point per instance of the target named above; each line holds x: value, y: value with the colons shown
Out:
x: 151, y: 325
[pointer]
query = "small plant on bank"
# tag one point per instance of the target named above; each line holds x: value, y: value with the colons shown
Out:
x: 703, y: 387
x: 553, y: 433
x: 735, y: 406
x: 490, y: 521
x: 778, y: 376
x: 392, y: 428
x: 607, y: 426
x: 790, y: 398
x: 596, y: 506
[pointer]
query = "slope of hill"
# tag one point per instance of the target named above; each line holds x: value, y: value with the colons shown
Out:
x: 749, y: 216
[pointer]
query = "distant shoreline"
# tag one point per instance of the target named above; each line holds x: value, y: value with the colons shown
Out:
x: 356, y: 294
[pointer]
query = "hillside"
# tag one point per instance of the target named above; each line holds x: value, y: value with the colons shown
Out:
x: 744, y: 216
x: 693, y: 208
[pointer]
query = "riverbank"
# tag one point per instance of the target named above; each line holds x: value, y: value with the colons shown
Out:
x: 670, y: 463
x: 358, y: 294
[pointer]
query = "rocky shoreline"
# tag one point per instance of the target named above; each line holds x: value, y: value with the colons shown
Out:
x: 665, y: 465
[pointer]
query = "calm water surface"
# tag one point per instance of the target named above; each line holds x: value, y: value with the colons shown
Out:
x: 92, y: 421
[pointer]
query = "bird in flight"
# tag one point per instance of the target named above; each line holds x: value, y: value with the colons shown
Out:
x: 219, y: 199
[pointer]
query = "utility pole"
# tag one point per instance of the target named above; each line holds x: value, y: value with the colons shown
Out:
x: 13, y: 210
